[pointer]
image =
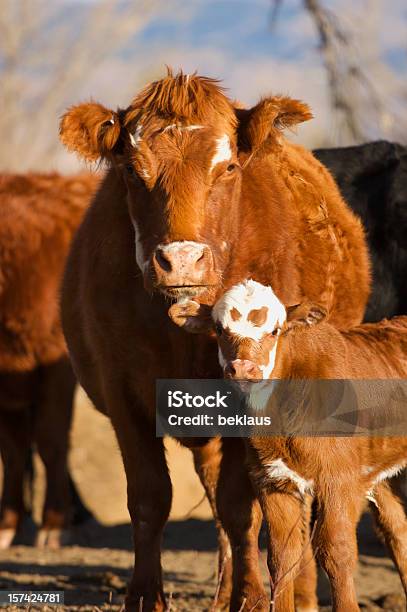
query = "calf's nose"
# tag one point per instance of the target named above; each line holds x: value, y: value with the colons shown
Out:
x: 242, y: 369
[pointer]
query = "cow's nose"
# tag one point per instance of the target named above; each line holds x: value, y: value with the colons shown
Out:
x: 242, y: 369
x: 188, y: 257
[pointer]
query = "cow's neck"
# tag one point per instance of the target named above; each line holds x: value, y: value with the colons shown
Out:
x: 266, y: 245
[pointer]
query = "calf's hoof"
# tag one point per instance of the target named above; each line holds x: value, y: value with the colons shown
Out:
x: 52, y: 538
x: 7, y: 535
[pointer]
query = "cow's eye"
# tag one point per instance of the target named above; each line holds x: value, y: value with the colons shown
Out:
x: 230, y: 167
x: 218, y: 329
x: 275, y: 331
x: 130, y: 170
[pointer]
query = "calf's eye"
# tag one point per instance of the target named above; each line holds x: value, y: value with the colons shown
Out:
x: 130, y: 170
x: 218, y: 329
x: 275, y: 332
x: 231, y: 167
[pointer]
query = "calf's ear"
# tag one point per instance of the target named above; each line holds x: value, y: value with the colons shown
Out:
x: 90, y: 129
x: 270, y: 115
x: 304, y: 315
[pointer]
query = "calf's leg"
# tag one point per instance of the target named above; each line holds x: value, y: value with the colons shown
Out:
x: 392, y: 523
x: 53, y: 416
x: 338, y: 515
x: 305, y: 581
x: 285, y: 518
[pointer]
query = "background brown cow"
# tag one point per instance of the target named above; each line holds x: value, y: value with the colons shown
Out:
x: 209, y: 196
x: 38, y: 216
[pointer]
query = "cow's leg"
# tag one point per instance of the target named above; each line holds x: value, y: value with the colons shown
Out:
x: 338, y: 514
x: 392, y: 524
x: 53, y: 416
x: 240, y: 514
x: 149, y: 496
x: 14, y: 447
x: 207, y: 461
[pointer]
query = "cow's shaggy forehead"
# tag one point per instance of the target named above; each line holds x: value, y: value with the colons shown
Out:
x: 243, y: 299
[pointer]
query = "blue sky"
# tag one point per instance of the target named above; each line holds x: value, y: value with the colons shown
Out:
x: 232, y: 40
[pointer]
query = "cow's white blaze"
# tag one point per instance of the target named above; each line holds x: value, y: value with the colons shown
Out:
x: 223, y: 150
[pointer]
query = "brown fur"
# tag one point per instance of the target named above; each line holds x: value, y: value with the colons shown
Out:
x: 310, y: 349
x: 271, y: 212
x: 38, y: 216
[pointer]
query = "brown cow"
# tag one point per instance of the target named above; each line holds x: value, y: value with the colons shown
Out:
x: 38, y: 215
x: 199, y: 196
x: 260, y: 339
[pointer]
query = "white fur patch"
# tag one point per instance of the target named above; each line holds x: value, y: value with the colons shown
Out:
x: 135, y: 138
x: 182, y: 128
x: 222, y: 360
x: 245, y: 297
x: 140, y: 259
x: 389, y: 473
x: 384, y: 475
x: 278, y: 470
x: 223, y: 150
x: 267, y: 369
x: 260, y: 395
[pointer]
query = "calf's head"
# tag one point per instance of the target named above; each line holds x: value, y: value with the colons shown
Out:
x: 179, y: 149
x: 250, y: 322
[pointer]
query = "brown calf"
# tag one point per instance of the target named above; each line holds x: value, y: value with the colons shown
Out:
x: 260, y: 339
x: 199, y: 195
x: 38, y: 216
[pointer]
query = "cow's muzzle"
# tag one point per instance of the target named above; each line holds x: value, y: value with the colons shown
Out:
x: 183, y: 268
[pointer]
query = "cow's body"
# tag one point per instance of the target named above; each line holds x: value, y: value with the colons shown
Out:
x: 280, y: 220
x: 38, y: 216
x: 373, y: 181
x: 339, y: 472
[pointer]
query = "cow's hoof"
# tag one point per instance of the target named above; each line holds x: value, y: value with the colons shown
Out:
x: 51, y: 538
x: 6, y: 537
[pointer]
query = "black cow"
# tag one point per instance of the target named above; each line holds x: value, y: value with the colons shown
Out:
x: 373, y: 180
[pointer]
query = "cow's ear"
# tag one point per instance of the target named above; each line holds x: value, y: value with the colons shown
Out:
x: 305, y: 314
x: 270, y: 115
x: 90, y: 129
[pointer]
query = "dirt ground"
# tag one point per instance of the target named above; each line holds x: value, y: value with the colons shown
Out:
x: 93, y: 569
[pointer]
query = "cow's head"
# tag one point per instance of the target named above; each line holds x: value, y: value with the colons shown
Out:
x: 179, y: 148
x: 249, y: 320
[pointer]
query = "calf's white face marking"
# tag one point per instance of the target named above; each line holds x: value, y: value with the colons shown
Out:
x: 235, y: 310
